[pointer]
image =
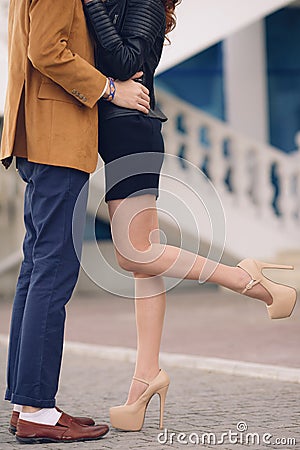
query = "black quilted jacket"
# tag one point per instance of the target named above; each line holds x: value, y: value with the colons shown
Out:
x: 130, y: 37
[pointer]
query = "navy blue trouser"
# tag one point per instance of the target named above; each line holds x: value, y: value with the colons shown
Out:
x: 49, y: 271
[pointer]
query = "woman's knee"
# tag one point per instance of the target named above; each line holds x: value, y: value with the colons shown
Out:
x: 132, y: 262
x: 124, y: 263
x: 139, y: 275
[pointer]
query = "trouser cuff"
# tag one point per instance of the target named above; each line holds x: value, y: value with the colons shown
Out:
x: 27, y: 401
x: 7, y: 395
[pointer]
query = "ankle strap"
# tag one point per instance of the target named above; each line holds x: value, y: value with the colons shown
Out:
x: 141, y: 380
x: 250, y: 285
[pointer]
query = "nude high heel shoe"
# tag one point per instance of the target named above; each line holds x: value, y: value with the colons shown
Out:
x: 284, y: 297
x: 131, y: 417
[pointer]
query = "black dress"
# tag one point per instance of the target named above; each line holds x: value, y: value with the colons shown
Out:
x: 129, y: 39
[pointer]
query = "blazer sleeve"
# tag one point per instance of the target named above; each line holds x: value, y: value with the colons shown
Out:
x: 48, y: 51
x: 125, y: 53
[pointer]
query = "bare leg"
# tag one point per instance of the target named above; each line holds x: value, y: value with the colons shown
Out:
x: 149, y: 310
x: 134, y: 222
x: 136, y: 238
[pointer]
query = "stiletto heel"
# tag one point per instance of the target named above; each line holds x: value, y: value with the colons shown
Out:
x: 162, y: 394
x: 131, y: 417
x: 284, y: 297
x: 264, y: 265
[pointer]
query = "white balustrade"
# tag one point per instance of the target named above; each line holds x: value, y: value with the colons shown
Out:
x: 11, y: 218
x: 3, y: 20
x: 10, y: 196
x: 256, y: 180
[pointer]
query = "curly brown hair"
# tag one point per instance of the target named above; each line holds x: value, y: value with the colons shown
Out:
x: 170, y: 6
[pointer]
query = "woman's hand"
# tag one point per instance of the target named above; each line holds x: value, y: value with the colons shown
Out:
x: 133, y: 95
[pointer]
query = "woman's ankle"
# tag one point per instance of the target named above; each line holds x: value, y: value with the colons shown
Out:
x: 257, y: 291
x: 242, y: 278
x: 147, y: 374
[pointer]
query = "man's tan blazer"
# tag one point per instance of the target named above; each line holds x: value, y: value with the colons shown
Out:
x: 51, y: 113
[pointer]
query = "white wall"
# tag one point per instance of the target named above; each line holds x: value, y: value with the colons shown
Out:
x: 246, y: 81
x: 3, y: 77
x: 202, y: 23
x: 3, y: 51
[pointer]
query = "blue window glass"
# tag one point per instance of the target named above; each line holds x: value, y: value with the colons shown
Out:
x: 199, y: 81
x: 283, y: 63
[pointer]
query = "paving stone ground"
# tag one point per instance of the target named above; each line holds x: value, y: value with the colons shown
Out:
x: 198, y: 402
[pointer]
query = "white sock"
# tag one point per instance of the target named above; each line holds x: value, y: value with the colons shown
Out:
x: 45, y: 416
x: 18, y: 408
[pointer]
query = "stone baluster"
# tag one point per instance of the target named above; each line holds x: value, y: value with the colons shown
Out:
x: 297, y: 196
x: 228, y: 164
x: 266, y: 190
x: 218, y: 165
x: 193, y: 151
x: 296, y: 178
x: 286, y: 200
x: 203, y: 147
x: 240, y: 180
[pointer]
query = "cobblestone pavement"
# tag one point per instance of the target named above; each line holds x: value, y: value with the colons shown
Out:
x: 198, y: 402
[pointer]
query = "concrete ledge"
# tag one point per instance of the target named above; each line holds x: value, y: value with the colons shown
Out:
x: 227, y: 366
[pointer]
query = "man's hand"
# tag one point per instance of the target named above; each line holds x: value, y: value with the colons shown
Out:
x: 131, y: 94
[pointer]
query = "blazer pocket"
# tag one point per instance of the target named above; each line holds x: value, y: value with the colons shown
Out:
x: 52, y: 91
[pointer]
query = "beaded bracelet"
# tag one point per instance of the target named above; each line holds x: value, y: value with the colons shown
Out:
x: 112, y: 90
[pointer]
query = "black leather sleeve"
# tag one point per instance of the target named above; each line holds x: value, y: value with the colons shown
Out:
x: 125, y: 54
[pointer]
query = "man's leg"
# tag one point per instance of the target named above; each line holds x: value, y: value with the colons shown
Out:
x: 21, y: 289
x: 53, y: 277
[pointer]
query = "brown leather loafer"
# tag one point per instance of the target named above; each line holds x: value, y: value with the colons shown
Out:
x: 15, y: 417
x: 66, y: 430
x: 13, y: 422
